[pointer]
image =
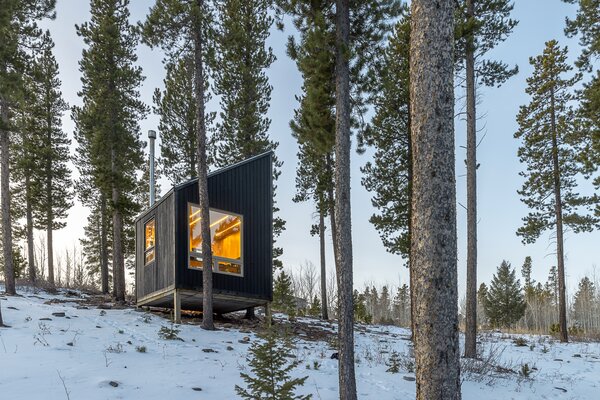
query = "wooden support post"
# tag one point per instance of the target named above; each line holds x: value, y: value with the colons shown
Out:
x: 268, y: 314
x: 176, y: 307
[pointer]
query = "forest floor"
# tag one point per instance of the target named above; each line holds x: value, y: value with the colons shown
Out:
x: 73, y: 346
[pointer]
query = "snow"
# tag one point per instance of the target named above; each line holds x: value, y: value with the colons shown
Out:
x: 82, y: 349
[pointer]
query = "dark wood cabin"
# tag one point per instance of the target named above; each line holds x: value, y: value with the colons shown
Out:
x: 168, y: 245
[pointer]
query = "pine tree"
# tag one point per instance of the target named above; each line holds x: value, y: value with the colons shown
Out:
x: 585, y: 306
x: 96, y: 245
x: 52, y: 186
x: 504, y: 302
x: 526, y: 273
x: 314, y: 309
x: 107, y: 122
x: 433, y: 219
x: 176, y: 106
x: 245, y: 93
x: 360, y: 308
x: 585, y: 25
x: 388, y: 176
x: 313, y: 126
x: 270, y: 371
x: 19, y: 33
x: 393, y: 363
x: 24, y: 161
x: 547, y: 133
x: 401, y: 306
x: 314, y: 121
x: 482, y: 25
x: 188, y: 29
x: 283, y: 296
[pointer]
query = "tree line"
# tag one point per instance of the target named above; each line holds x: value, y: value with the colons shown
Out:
x: 534, y: 306
x: 353, y: 56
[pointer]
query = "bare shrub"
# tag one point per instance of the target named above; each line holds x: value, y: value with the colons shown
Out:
x: 487, y: 367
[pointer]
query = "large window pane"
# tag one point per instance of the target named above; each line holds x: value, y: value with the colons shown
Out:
x: 226, y: 239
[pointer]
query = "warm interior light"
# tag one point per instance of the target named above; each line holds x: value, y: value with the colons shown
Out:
x: 211, y: 225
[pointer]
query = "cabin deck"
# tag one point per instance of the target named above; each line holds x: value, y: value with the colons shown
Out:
x: 192, y: 300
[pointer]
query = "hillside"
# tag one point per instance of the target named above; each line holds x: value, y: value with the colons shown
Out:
x: 93, y: 353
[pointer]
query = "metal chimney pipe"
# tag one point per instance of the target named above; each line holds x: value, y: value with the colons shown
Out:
x: 152, y: 137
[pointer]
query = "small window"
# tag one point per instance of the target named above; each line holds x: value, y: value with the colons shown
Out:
x: 226, y: 241
x: 149, y: 241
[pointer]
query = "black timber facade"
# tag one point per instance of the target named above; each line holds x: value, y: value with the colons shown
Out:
x: 244, y: 189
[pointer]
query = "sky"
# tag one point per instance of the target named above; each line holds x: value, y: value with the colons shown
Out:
x: 499, y: 209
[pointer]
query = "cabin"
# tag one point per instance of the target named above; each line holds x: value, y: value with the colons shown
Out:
x: 168, y: 242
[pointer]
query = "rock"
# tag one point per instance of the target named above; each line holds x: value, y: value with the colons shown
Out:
x: 105, y: 306
x: 409, y: 378
x: 113, y: 384
x: 98, y: 326
x: 70, y: 344
x: 12, y: 308
x: 82, y: 307
x: 577, y: 355
x: 335, y: 356
x: 558, y: 359
x: 209, y: 351
x: 561, y: 389
x: 229, y: 348
x: 245, y: 339
x: 45, y: 319
x: 197, y: 389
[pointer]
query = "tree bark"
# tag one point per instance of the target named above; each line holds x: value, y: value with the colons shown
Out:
x: 118, y: 257
x: 411, y: 272
x: 207, y: 261
x: 324, y: 313
x: 103, y: 246
x: 471, y: 317
x: 331, y: 195
x: 433, y: 247
x: 29, y: 218
x: 343, y: 216
x: 50, y: 257
x: 49, y: 216
x: 560, y: 255
x: 9, y: 268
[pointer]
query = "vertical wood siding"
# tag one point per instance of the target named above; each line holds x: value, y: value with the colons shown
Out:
x: 245, y: 189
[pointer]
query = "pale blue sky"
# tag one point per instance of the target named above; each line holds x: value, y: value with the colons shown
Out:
x: 500, y: 210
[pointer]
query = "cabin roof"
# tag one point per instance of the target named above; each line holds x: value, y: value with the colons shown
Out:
x: 195, y: 180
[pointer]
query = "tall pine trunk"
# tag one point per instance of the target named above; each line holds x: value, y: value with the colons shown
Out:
x: 411, y: 272
x: 103, y: 245
x: 50, y: 252
x: 9, y: 270
x: 29, y: 233
x: 324, y: 313
x: 343, y: 216
x: 562, y: 302
x: 118, y: 256
x: 471, y: 320
x: 207, y: 261
x: 49, y: 216
x: 433, y: 247
x: 331, y: 195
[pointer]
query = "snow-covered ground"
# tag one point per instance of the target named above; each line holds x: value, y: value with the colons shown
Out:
x: 92, y: 354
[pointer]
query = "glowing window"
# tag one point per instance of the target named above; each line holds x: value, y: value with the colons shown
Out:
x: 226, y: 241
x: 149, y: 241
